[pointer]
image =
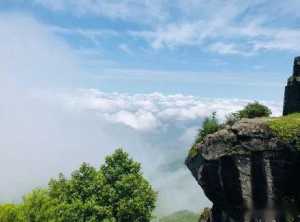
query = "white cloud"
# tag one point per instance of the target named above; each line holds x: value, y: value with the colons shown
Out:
x: 140, y: 120
x: 279, y: 39
x: 150, y: 111
x: 227, y: 49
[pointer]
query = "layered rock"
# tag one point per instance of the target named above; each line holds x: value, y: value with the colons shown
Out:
x: 250, y: 171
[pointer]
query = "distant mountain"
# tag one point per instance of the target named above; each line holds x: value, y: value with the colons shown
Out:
x: 181, y: 216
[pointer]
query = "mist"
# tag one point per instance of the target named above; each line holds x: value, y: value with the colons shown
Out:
x: 51, y: 122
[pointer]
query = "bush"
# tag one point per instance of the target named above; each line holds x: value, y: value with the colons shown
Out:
x: 253, y: 110
x: 250, y: 111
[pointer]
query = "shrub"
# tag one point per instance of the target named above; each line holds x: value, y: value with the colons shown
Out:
x: 250, y: 111
x: 253, y: 110
x: 209, y: 126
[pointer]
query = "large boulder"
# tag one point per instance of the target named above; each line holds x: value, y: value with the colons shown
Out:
x: 250, y: 170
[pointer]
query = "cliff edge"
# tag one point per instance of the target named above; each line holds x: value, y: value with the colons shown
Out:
x: 249, y: 170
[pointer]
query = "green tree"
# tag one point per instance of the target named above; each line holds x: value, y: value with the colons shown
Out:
x: 117, y: 192
x: 82, y: 197
x: 132, y: 197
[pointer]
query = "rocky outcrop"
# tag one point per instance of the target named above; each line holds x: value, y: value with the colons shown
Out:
x: 292, y: 91
x: 249, y: 171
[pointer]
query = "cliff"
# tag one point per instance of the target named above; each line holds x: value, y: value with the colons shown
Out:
x: 249, y: 170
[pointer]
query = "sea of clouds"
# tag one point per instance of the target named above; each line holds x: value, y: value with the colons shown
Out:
x: 46, y: 130
x: 45, y: 133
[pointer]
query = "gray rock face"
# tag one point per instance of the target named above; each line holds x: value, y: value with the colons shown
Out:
x: 292, y: 90
x: 248, y: 173
x: 245, y: 136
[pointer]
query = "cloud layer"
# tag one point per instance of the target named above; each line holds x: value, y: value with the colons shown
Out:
x: 151, y: 111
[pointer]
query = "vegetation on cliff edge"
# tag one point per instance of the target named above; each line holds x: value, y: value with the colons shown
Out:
x: 211, y: 124
x: 286, y: 128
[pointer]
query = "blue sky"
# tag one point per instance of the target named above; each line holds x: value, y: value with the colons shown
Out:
x: 240, y: 49
x: 79, y: 78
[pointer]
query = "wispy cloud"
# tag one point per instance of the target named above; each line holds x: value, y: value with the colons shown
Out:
x: 150, y: 11
x: 125, y: 48
x: 244, y: 28
x: 246, y: 38
x: 94, y: 35
x: 228, y: 48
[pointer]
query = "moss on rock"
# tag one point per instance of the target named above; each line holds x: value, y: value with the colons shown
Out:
x: 286, y: 128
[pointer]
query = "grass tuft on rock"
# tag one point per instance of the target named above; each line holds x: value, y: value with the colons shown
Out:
x: 286, y: 128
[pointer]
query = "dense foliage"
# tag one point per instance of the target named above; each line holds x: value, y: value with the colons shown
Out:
x: 10, y: 213
x: 117, y: 192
